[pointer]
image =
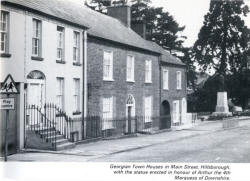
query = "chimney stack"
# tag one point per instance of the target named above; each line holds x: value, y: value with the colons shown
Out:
x: 139, y: 26
x: 121, y: 12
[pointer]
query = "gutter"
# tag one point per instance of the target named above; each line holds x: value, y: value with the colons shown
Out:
x: 123, y: 44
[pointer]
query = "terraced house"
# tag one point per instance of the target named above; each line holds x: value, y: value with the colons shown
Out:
x: 42, y: 47
x: 82, y: 74
x: 133, y: 77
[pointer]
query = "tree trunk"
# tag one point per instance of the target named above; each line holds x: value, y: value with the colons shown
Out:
x: 223, y: 65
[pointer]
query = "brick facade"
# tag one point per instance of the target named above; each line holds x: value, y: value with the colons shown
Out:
x: 173, y: 94
x: 120, y: 88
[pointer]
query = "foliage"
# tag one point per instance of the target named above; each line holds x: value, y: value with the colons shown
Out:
x: 224, y: 38
x: 187, y: 58
x: 204, y: 98
x: 239, y: 87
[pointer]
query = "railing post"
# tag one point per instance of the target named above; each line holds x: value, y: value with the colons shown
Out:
x: 136, y: 129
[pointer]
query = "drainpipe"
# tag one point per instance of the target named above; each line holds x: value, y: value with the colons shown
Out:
x: 85, y: 83
x: 160, y: 81
x: 23, y: 88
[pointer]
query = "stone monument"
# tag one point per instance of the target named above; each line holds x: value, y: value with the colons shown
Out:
x: 222, y: 102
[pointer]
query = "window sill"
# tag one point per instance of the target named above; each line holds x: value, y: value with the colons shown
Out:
x: 5, y: 55
x: 60, y: 61
x: 108, y: 80
x: 166, y: 89
x: 148, y: 82
x: 36, y: 58
x: 130, y: 81
x: 179, y: 89
x: 76, y: 64
x: 77, y: 113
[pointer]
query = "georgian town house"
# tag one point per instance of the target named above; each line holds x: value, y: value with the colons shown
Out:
x: 85, y: 64
x: 42, y: 48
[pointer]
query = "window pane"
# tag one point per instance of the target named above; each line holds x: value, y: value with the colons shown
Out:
x: 107, y: 113
x: 3, y: 28
x: 3, y: 42
x: 107, y: 65
x: 36, y: 37
x: 148, y: 70
x: 77, y: 94
x: 59, y: 53
x: 60, y: 92
x: 176, y: 116
x: 165, y: 79
x: 4, y: 20
x: 178, y: 80
x: 76, y: 46
x: 148, y: 108
x: 130, y: 68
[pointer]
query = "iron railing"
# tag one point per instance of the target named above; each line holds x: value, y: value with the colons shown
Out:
x: 63, y: 123
x: 37, y: 122
x: 96, y: 127
x: 50, y: 122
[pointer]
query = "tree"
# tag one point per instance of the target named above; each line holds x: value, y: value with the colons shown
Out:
x: 98, y: 5
x: 161, y: 26
x: 187, y: 58
x: 166, y: 33
x: 223, y: 39
x: 101, y: 5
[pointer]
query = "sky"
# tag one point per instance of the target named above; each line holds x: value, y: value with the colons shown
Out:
x: 190, y: 13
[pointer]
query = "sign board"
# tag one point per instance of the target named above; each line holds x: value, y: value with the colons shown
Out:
x: 9, y: 86
x: 7, y: 103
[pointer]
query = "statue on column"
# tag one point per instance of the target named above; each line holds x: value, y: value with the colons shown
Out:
x: 222, y: 108
x: 221, y: 82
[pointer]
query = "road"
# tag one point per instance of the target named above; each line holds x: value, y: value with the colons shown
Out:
x: 226, y: 146
x: 230, y: 146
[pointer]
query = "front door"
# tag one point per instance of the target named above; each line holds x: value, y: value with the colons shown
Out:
x: 165, y: 119
x: 129, y: 119
x: 130, y: 115
x: 35, y: 92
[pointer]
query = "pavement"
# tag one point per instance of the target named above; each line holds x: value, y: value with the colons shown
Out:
x: 102, y: 148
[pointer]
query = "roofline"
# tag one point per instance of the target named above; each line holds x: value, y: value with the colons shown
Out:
x: 123, y: 44
x: 174, y: 64
x: 42, y: 13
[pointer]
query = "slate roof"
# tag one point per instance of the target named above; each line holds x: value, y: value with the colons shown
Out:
x: 99, y: 25
x: 166, y: 56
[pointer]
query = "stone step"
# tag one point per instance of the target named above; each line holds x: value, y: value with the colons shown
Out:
x: 44, y: 129
x: 52, y: 137
x: 61, y: 141
x: 48, y: 133
x: 65, y: 146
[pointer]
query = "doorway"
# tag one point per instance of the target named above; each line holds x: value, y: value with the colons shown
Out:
x: 165, y: 120
x: 36, y: 89
x: 130, y: 114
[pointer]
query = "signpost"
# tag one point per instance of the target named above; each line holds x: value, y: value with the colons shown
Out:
x: 9, y: 87
x: 7, y: 103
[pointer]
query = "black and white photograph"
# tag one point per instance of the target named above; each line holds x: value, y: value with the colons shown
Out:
x: 125, y: 90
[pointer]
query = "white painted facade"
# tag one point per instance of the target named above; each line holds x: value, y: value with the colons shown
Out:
x: 20, y: 63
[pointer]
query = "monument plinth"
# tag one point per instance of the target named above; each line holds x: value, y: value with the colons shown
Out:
x: 222, y: 105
